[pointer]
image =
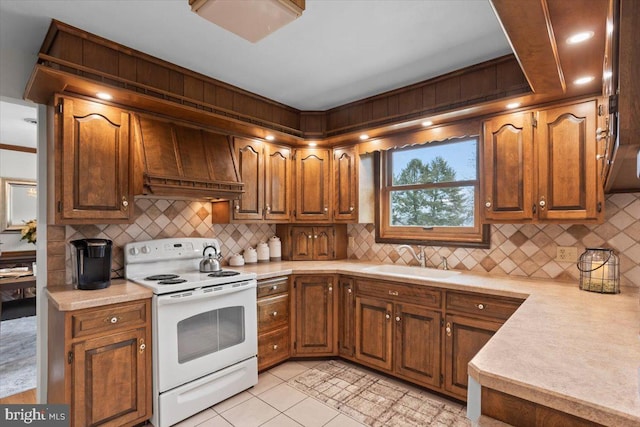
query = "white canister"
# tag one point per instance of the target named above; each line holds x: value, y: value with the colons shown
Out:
x: 275, y: 249
x: 263, y: 252
x: 250, y: 256
x: 236, y: 260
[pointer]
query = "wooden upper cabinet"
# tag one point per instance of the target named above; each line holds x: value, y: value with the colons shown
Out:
x: 508, y: 163
x: 250, y: 155
x: 277, y: 185
x: 93, y: 167
x: 569, y: 188
x: 313, y: 185
x: 345, y: 190
x: 542, y: 166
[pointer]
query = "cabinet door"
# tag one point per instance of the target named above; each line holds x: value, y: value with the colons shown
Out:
x: 314, y: 315
x: 508, y: 168
x: 346, y: 317
x: 417, y: 343
x: 374, y: 332
x: 323, y: 243
x: 250, y: 157
x: 345, y: 176
x: 110, y: 382
x: 568, y: 184
x: 464, y: 337
x: 277, y: 186
x: 313, y: 185
x: 302, y: 243
x: 93, y: 160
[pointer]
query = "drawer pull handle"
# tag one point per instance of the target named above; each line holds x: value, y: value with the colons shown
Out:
x: 274, y: 314
x: 275, y: 346
x: 274, y: 287
x: 394, y: 293
x: 480, y: 306
x: 113, y: 320
x: 448, y: 329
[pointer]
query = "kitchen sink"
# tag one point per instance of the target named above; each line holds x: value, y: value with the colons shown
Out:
x: 405, y: 270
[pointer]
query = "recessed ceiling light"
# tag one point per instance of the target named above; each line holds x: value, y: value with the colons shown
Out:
x: 103, y: 95
x: 270, y: 137
x: 427, y: 123
x: 313, y: 144
x: 513, y: 105
x: 583, y: 80
x: 580, y: 37
x: 364, y: 136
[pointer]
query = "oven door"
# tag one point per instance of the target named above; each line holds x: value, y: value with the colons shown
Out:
x: 202, y: 331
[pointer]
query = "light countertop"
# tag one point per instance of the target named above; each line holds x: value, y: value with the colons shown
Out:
x: 66, y: 298
x: 571, y: 350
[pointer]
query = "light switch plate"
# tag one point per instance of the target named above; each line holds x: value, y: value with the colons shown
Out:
x: 566, y: 254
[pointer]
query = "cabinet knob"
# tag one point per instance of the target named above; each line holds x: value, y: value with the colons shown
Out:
x: 349, y: 290
x: 125, y: 203
x: 142, y: 347
x: 274, y: 287
x: 397, y: 318
x: 310, y: 236
x: 113, y: 320
x: 330, y: 288
x: 387, y: 316
x: 394, y: 293
x: 448, y: 329
x: 275, y: 346
x: 351, y: 208
x: 542, y: 203
x: 274, y: 314
x: 315, y: 236
x: 326, y: 209
x: 237, y: 207
x: 268, y: 208
x: 488, y: 203
x: 480, y: 306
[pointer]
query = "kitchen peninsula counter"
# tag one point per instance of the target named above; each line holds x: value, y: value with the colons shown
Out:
x: 571, y: 350
x: 66, y: 298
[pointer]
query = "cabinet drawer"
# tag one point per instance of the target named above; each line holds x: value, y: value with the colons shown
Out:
x: 416, y: 294
x: 117, y: 317
x: 273, y: 313
x: 273, y: 347
x: 274, y: 286
x: 482, y: 305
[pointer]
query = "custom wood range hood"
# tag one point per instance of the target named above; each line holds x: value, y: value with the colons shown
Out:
x: 185, y: 162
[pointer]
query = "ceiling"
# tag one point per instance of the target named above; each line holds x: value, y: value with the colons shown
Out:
x: 336, y: 52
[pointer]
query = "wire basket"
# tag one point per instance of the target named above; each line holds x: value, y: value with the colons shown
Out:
x: 599, y: 271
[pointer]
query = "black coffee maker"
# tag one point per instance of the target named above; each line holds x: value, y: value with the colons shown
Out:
x: 92, y: 259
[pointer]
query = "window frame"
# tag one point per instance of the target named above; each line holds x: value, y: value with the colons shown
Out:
x: 477, y: 236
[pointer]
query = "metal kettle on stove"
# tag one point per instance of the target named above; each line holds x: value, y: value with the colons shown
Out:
x: 210, y: 263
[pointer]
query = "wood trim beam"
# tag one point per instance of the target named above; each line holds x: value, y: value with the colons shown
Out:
x: 533, y: 42
x: 12, y: 147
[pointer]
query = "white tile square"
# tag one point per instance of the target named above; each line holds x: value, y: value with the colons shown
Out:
x: 232, y: 401
x: 343, y: 421
x: 198, y: 418
x: 282, y: 397
x: 311, y: 413
x: 250, y: 413
x: 288, y: 370
x: 216, y: 421
x: 310, y: 363
x: 265, y: 382
x: 281, y: 421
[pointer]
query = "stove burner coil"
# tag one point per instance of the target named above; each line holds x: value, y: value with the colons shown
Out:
x: 223, y: 273
x: 171, y: 281
x: 162, y: 277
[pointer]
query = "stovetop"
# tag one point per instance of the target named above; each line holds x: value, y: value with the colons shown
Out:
x: 171, y: 265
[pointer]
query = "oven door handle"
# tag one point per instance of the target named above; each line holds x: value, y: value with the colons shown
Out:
x: 202, y: 293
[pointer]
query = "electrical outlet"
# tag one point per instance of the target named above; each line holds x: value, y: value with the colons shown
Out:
x: 351, y: 242
x: 566, y: 254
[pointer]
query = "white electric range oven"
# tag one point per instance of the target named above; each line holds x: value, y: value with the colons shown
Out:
x: 204, y: 326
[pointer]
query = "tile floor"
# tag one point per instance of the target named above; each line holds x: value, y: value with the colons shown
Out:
x: 273, y: 402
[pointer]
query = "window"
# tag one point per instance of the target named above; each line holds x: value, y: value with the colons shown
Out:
x: 429, y: 194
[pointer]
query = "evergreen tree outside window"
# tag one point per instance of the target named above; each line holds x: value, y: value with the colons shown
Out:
x: 429, y: 195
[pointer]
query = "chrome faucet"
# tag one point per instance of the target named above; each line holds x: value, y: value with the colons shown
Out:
x: 445, y: 263
x: 419, y: 257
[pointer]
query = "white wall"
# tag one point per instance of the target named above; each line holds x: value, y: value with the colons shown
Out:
x: 16, y: 164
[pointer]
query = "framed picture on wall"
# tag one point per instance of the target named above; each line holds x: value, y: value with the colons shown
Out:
x: 19, y: 203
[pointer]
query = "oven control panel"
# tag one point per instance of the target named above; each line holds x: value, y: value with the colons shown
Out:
x: 168, y: 249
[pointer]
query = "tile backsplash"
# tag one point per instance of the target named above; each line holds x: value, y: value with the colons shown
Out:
x: 528, y: 250
x: 525, y: 250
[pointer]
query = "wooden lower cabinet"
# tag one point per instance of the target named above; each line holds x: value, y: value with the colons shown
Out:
x: 314, y: 315
x: 346, y: 317
x: 100, y: 363
x: 464, y: 337
x: 374, y: 332
x: 273, y: 321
